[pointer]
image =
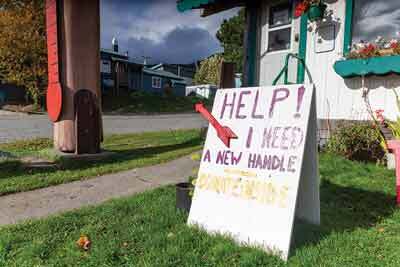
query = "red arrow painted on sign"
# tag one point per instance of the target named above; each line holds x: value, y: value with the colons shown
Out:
x: 223, y: 132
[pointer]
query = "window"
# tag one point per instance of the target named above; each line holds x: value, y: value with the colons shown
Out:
x: 280, y: 28
x: 373, y: 18
x: 105, y: 66
x: 156, y: 82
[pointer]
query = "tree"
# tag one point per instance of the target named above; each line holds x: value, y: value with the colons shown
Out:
x: 231, y: 36
x: 209, y: 71
x: 23, y: 56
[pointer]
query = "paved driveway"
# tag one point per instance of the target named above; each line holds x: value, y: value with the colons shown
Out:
x: 21, y: 126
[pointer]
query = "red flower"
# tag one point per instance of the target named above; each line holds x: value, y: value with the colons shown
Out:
x: 394, y: 45
x: 368, y: 50
x: 300, y: 9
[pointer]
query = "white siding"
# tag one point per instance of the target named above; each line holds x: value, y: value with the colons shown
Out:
x: 337, y: 98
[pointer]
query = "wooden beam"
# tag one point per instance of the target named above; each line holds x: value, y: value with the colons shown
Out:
x: 227, y: 75
x: 212, y: 9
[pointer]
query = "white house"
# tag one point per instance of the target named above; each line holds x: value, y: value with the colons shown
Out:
x: 324, y: 44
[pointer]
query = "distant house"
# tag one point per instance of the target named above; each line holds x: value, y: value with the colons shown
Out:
x: 118, y: 71
x: 128, y: 74
x: 186, y: 71
x: 121, y: 74
x: 158, y: 81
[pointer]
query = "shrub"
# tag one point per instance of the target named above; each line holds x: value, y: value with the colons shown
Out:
x: 359, y: 142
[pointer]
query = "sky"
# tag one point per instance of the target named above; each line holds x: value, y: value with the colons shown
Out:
x: 154, y: 28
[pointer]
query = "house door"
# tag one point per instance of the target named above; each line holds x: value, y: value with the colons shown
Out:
x: 279, y: 36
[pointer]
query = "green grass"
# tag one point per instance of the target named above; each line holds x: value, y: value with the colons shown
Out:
x: 131, y: 151
x: 147, y: 103
x: 360, y: 227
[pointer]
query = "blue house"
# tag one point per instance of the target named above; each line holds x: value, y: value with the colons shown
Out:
x: 158, y: 81
x: 121, y: 74
x: 186, y: 71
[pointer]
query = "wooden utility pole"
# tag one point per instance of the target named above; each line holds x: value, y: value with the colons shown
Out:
x: 79, y: 63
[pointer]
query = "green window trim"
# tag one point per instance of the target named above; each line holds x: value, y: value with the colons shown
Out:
x: 252, y: 45
x: 348, y: 27
x: 184, y: 5
x: 302, y: 49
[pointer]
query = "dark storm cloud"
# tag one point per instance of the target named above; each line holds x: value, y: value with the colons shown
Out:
x: 182, y: 45
x: 156, y: 29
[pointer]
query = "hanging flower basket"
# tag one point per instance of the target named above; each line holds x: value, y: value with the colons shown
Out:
x: 316, y: 11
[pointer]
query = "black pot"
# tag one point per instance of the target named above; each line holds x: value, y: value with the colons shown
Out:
x: 183, y: 196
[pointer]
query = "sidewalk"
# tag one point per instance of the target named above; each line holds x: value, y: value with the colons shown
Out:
x: 44, y: 202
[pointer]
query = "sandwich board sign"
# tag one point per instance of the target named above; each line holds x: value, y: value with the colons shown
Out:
x: 259, y: 167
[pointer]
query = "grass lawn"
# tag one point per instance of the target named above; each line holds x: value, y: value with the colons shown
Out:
x: 147, y: 103
x: 131, y: 151
x: 360, y: 227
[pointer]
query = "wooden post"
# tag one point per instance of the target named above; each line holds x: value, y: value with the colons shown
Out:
x: 79, y: 54
x: 251, y: 44
x: 227, y: 78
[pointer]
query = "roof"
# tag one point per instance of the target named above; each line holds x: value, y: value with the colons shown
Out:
x: 156, y: 66
x: 160, y: 65
x: 129, y: 61
x: 112, y: 52
x: 211, y: 7
x: 184, y: 5
x: 162, y: 73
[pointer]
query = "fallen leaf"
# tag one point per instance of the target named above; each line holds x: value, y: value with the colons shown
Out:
x: 84, y: 242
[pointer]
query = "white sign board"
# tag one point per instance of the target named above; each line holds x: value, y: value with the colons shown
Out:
x: 254, y: 189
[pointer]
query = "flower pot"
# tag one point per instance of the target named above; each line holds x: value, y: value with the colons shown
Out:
x: 316, y: 12
x: 386, y: 52
x: 184, y: 196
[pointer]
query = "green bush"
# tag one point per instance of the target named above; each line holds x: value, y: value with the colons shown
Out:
x: 359, y: 142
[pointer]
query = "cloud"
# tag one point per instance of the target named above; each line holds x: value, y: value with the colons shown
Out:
x: 181, y: 45
x: 156, y: 28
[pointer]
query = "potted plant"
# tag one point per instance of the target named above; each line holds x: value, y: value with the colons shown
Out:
x: 388, y: 130
x: 185, y: 190
x: 378, y: 48
x: 315, y: 9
